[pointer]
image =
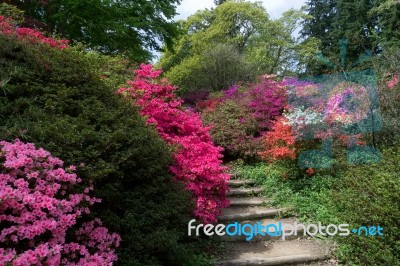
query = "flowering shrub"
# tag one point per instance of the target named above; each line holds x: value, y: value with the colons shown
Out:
x: 303, y: 120
x: 234, y: 128
x: 38, y: 213
x: 313, y: 113
x: 207, y: 105
x: 29, y: 35
x: 241, y: 115
x: 11, y: 11
x: 329, y: 111
x: 267, y: 101
x: 279, y: 142
x: 230, y: 93
x: 197, y: 161
x: 305, y: 108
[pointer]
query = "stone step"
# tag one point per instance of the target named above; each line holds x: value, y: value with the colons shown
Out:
x: 286, y: 222
x: 234, y: 176
x: 249, y: 213
x: 244, y: 191
x: 238, y: 182
x: 245, y: 201
x: 283, y: 260
x: 275, y: 253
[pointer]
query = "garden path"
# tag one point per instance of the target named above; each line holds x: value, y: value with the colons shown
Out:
x: 249, y: 207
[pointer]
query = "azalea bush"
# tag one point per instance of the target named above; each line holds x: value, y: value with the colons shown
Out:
x: 242, y: 114
x: 332, y: 109
x: 41, y: 215
x: 318, y: 119
x: 197, y: 162
x: 267, y: 101
x: 305, y: 109
x: 206, y: 105
x: 28, y: 35
x: 279, y: 142
x: 234, y: 128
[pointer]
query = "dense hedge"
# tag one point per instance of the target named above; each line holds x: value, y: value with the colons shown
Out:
x: 64, y: 101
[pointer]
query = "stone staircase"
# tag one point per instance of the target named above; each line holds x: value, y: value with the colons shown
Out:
x: 248, y: 206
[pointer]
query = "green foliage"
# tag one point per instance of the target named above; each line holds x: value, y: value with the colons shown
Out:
x: 64, y: 101
x: 275, y: 50
x: 353, y: 24
x: 309, y: 195
x: 234, y: 22
x: 389, y: 12
x: 201, y: 260
x: 367, y: 26
x: 322, y: 13
x: 219, y: 2
x: 369, y: 195
x: 210, y: 55
x: 223, y: 66
x: 12, y: 12
x: 236, y: 41
x: 132, y: 28
x: 183, y: 74
x: 216, y: 68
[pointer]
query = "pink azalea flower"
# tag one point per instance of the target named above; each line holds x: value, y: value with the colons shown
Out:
x: 393, y: 82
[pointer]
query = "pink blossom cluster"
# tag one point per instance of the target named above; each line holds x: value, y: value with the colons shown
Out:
x: 197, y: 162
x: 29, y: 35
x: 393, y: 82
x: 268, y: 99
x: 349, y: 105
x: 335, y: 109
x: 39, y: 212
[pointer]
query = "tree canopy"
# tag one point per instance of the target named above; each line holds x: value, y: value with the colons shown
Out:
x: 362, y: 26
x: 132, y: 28
x: 234, y: 42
